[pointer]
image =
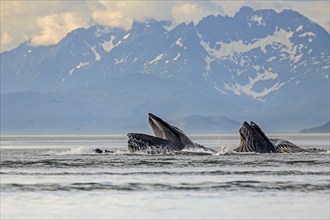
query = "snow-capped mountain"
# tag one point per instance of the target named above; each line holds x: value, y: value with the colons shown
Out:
x: 257, y: 65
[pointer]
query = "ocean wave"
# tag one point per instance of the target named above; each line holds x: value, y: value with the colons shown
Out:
x: 146, y: 161
x: 176, y: 173
x: 48, y: 163
x: 251, y: 185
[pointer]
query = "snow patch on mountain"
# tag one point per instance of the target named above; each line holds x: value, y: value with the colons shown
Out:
x: 176, y: 57
x: 220, y: 90
x: 79, y: 66
x: 280, y: 36
x: 97, y: 55
x: 208, y: 61
x: 248, y: 88
x: 71, y: 72
x: 82, y: 64
x: 300, y: 28
x: 118, y: 61
x: 126, y: 36
x: 108, y: 45
x: 157, y: 59
x: 310, y: 36
x: 257, y: 20
x: 179, y: 42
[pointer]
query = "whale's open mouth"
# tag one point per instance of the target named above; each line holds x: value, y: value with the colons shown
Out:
x: 167, y: 137
x: 161, y: 128
x: 245, y: 130
x: 166, y: 131
x: 252, y: 138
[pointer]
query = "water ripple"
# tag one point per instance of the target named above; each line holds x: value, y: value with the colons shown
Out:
x: 202, y: 186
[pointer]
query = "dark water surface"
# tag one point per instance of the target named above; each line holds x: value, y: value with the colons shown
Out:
x: 47, y: 177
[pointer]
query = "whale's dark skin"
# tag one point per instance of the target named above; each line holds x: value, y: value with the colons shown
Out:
x: 253, y: 139
x: 144, y: 142
x: 97, y: 150
x: 167, y: 138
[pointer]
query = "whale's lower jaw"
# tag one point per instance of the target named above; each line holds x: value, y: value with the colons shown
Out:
x: 283, y: 146
x: 150, y: 144
x: 253, y: 148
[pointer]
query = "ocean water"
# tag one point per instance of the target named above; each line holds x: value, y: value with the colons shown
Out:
x: 60, y: 177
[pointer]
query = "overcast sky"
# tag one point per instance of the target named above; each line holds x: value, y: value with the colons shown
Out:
x: 46, y: 22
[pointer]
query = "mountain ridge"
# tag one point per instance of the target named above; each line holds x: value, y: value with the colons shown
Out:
x: 325, y: 128
x: 257, y: 65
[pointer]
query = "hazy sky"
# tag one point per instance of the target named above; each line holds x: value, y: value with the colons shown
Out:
x: 46, y: 22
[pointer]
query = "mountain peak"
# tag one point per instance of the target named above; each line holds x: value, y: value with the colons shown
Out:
x: 150, y: 23
x: 245, y: 10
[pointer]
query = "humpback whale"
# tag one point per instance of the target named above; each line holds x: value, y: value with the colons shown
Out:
x: 170, y: 139
x: 167, y: 138
x: 154, y: 145
x: 253, y: 139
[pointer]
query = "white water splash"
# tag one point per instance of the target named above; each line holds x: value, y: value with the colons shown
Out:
x: 223, y: 150
x: 76, y: 150
x: 121, y: 152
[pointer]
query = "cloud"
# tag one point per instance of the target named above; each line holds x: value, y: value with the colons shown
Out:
x: 54, y: 27
x: 6, y: 38
x: 187, y: 12
x: 27, y: 20
x: 16, y: 24
x: 124, y: 13
x: 113, y: 14
x: 318, y: 11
